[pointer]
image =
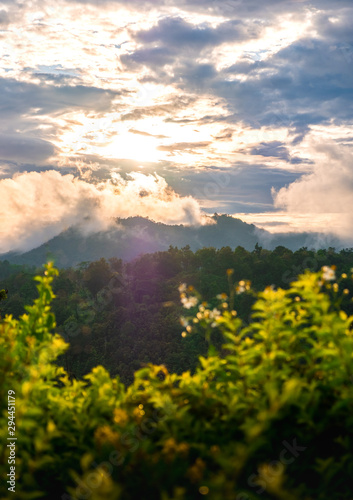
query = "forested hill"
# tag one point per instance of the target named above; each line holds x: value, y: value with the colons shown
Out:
x: 124, y: 315
x: 136, y: 236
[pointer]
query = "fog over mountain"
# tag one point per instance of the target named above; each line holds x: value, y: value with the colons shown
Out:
x: 136, y: 235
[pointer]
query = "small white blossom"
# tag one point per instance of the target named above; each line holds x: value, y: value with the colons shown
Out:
x: 184, y: 322
x: 328, y: 273
x: 182, y: 288
x: 189, y: 302
x: 215, y: 313
x: 221, y: 296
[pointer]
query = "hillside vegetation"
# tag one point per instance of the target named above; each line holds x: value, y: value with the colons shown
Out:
x: 269, y: 415
x: 124, y: 315
x: 129, y: 238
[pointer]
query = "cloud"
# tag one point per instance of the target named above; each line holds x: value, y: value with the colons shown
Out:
x: 176, y: 43
x: 18, y: 98
x: 146, y: 134
x: 310, y: 80
x: 170, y: 107
x: 20, y: 148
x: 274, y: 148
x: 154, y: 57
x: 179, y: 34
x: 224, y: 135
x: 245, y: 9
x: 258, y: 83
x: 229, y: 190
x: 184, y: 146
x: 328, y: 189
x: 4, y: 18
x: 38, y: 206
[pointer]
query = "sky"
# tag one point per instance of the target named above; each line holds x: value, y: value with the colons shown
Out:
x: 173, y: 110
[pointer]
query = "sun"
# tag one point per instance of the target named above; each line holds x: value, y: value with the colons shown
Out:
x: 133, y: 146
x: 106, y: 137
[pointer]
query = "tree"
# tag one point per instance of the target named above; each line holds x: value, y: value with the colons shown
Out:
x: 271, y: 415
x: 97, y: 276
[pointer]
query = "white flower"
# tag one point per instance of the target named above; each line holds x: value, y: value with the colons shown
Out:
x: 189, y: 302
x: 215, y: 313
x: 182, y: 288
x: 328, y: 273
x: 183, y: 322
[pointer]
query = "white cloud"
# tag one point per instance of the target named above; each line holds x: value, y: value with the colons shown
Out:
x: 76, y: 81
x: 38, y: 206
x: 328, y: 189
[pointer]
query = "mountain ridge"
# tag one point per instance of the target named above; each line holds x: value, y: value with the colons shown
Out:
x: 135, y: 236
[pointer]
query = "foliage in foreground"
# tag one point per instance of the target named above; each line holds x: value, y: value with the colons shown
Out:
x: 122, y: 315
x: 270, y: 417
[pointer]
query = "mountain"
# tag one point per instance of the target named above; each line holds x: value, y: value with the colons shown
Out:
x: 134, y: 236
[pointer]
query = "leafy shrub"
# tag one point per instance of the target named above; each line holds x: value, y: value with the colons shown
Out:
x: 270, y: 417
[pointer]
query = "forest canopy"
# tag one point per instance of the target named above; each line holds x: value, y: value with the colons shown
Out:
x: 125, y: 314
x: 269, y: 414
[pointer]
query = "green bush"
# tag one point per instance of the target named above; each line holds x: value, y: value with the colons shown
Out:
x: 270, y: 416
